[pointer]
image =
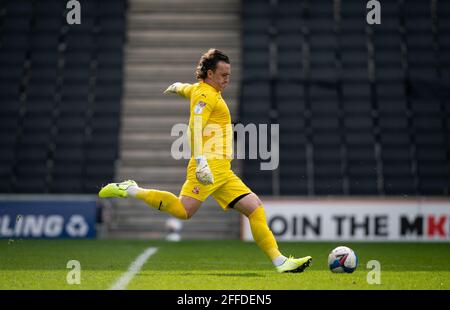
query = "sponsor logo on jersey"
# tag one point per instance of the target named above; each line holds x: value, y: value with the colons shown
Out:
x: 198, y: 109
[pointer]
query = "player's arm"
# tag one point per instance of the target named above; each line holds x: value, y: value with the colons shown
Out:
x: 200, y: 112
x: 182, y: 89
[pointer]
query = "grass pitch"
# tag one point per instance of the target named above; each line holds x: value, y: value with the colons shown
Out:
x: 214, y: 265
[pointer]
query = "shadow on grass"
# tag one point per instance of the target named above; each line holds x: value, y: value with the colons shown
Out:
x: 217, y: 274
x: 235, y: 275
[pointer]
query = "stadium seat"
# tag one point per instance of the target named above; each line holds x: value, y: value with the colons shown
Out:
x: 50, y: 101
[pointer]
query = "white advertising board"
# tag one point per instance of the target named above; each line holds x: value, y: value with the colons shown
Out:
x: 356, y: 220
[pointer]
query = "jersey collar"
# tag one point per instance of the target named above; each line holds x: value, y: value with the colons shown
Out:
x: 204, y: 84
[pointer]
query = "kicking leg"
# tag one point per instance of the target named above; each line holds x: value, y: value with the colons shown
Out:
x: 182, y: 208
x: 252, y: 207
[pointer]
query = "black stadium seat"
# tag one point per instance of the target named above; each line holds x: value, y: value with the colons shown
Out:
x: 384, y: 133
x: 52, y: 117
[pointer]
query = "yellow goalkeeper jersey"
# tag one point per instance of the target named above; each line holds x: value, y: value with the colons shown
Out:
x: 210, y: 128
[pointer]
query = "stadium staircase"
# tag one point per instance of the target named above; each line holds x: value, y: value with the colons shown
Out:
x: 164, y: 42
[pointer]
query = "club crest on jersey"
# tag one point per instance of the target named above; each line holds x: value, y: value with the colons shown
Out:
x: 196, y: 190
x: 198, y: 109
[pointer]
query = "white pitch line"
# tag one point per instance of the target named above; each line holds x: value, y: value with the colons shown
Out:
x: 134, y: 268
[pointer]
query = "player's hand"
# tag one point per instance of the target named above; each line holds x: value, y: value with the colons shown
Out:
x: 203, y: 172
x: 172, y: 89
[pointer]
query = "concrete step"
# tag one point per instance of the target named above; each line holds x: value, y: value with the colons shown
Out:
x: 150, y: 158
x: 177, y: 106
x: 142, y: 157
x: 135, y: 207
x: 187, y: 6
x: 205, y: 224
x: 183, y: 20
x: 168, y: 153
x: 168, y: 103
x: 116, y: 203
x: 164, y: 73
x: 158, y: 152
x: 171, y: 174
x: 154, y: 90
x: 155, y: 54
x: 202, y: 39
x: 143, y: 72
x: 158, y: 220
x: 154, y: 124
x: 136, y: 161
x: 138, y: 222
x: 160, y: 143
x: 158, y: 235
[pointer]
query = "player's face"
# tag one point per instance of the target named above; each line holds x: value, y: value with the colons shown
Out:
x: 220, y: 78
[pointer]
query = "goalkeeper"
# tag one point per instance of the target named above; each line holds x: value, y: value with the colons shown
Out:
x: 209, y: 170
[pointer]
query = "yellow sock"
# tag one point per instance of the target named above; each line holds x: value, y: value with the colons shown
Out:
x: 163, y: 201
x: 262, y: 235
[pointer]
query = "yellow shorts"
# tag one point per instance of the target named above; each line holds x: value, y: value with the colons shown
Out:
x: 226, y: 188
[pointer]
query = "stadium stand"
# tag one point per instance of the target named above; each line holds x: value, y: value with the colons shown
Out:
x: 363, y: 110
x: 61, y: 89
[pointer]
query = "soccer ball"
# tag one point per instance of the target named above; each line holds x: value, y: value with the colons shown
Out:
x: 342, y: 259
